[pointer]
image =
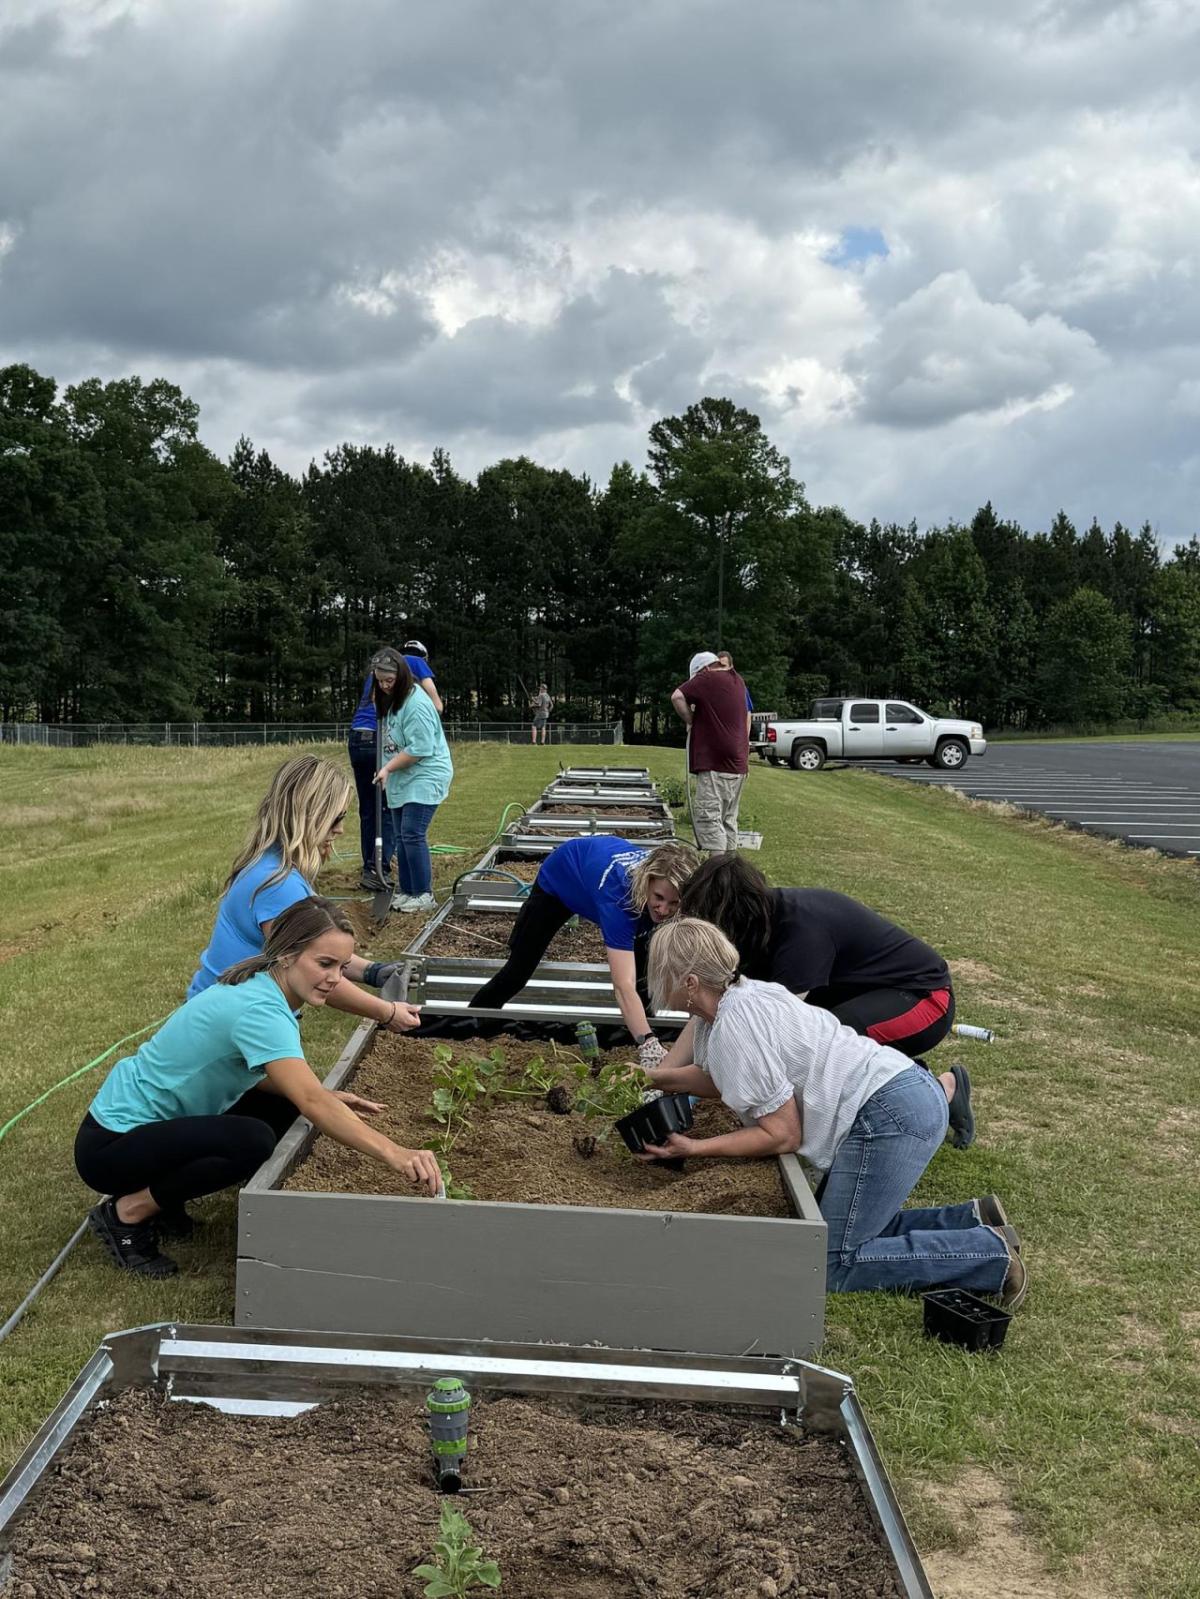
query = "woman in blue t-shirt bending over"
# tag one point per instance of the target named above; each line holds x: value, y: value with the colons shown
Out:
x: 299, y: 818
x: 622, y: 887
x: 203, y: 1103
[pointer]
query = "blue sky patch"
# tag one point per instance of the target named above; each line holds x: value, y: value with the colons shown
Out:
x: 857, y: 244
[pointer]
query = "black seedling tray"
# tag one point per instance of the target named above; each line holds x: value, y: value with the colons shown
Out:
x: 655, y: 1121
x: 957, y: 1317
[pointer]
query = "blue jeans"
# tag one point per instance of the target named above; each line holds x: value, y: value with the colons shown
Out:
x: 415, y: 869
x: 362, y: 763
x: 873, y: 1244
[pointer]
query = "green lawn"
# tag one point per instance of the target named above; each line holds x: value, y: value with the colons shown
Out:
x: 1081, y: 954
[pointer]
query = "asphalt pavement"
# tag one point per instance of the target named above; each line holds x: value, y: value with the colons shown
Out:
x: 1143, y: 791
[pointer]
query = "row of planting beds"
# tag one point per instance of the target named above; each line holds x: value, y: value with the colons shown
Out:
x: 567, y: 1237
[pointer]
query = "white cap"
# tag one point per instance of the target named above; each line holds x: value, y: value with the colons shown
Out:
x: 702, y: 659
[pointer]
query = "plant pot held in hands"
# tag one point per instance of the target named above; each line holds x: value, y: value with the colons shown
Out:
x: 655, y: 1121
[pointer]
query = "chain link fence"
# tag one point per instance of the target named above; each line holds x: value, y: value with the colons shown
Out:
x: 73, y: 735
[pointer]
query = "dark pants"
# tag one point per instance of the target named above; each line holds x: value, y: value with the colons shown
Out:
x: 540, y: 917
x: 902, y: 1018
x: 183, y: 1159
x: 362, y: 763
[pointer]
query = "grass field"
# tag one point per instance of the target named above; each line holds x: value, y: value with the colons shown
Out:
x: 1068, y: 1464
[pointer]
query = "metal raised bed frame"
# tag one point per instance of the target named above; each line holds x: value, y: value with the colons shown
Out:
x: 285, y: 1373
x: 513, y: 1271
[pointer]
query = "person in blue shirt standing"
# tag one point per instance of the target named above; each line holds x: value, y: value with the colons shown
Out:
x: 626, y: 889
x: 293, y: 834
x: 415, y: 775
x: 203, y: 1102
x: 380, y: 680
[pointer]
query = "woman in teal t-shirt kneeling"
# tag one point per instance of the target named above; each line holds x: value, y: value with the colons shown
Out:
x: 416, y: 775
x: 203, y: 1103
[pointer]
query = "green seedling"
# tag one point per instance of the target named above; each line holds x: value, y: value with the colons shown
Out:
x: 672, y: 791
x: 457, y: 1087
x: 616, y: 1090
x: 458, y: 1565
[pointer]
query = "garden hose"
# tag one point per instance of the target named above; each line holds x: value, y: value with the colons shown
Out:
x: 52, y: 1269
x: 491, y: 871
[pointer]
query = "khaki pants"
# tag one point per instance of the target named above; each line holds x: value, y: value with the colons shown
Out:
x: 715, y: 809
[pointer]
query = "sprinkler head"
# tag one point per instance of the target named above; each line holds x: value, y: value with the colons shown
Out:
x: 448, y: 1406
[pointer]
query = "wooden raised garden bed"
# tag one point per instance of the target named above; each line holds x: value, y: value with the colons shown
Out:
x: 620, y: 1257
x: 219, y: 1464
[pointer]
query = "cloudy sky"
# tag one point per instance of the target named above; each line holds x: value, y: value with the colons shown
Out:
x: 949, y: 250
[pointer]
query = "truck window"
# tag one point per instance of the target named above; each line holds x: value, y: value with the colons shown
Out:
x: 826, y: 710
x: 867, y: 711
x: 903, y: 713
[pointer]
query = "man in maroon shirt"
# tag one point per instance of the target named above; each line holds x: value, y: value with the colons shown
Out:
x: 712, y: 704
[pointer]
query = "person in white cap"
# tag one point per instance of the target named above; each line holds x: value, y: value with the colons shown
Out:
x: 712, y: 704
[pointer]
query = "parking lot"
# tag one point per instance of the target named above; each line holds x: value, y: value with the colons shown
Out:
x: 1142, y: 791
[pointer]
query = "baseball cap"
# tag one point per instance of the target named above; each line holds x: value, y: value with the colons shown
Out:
x: 415, y: 647
x: 700, y: 660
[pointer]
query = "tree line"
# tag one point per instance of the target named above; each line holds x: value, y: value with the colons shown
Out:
x: 143, y: 578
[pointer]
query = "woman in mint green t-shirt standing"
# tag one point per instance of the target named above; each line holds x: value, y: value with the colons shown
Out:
x: 416, y: 775
x: 203, y: 1102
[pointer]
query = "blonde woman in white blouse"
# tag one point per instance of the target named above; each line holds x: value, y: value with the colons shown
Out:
x: 862, y: 1114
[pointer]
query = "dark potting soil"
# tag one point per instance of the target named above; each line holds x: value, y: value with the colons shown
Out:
x: 579, y: 1500
x: 602, y: 812
x: 518, y: 1149
x: 485, y: 934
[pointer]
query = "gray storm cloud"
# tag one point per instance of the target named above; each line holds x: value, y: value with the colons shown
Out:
x: 537, y: 228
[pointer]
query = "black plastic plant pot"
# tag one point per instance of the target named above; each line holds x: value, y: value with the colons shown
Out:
x: 655, y: 1121
x: 964, y: 1319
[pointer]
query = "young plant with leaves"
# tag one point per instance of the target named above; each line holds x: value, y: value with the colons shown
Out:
x: 458, y: 1565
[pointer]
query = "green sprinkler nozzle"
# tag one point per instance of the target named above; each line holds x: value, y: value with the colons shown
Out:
x: 448, y: 1405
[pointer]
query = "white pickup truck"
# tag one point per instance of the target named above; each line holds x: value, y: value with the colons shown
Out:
x: 873, y: 730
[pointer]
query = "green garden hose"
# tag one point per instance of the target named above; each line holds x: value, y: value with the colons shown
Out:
x: 70, y: 1078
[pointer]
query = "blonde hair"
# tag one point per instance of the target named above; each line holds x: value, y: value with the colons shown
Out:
x: 688, y: 947
x: 292, y: 931
x: 295, y: 815
x: 674, y: 861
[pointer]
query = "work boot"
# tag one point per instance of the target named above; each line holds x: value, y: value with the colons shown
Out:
x: 373, y: 883
x: 1016, y: 1279
x: 991, y: 1212
x: 132, y: 1245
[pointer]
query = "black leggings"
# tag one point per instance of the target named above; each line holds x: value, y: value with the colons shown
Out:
x: 182, y: 1159
x: 904, y: 1019
x: 540, y: 917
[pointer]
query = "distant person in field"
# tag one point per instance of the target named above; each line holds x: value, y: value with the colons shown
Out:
x: 299, y: 817
x: 202, y: 1103
x: 541, y: 705
x: 380, y: 680
x: 875, y: 977
x: 862, y: 1114
x: 415, y: 777
x: 712, y: 705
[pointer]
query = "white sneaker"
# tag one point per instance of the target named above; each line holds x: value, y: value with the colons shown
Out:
x: 403, y: 902
x: 417, y: 902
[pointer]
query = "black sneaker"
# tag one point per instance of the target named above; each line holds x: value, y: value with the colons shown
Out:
x: 962, y: 1117
x: 174, y: 1223
x: 133, y: 1246
x: 373, y: 883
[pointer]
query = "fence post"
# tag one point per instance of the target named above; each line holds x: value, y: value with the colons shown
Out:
x: 195, y: 734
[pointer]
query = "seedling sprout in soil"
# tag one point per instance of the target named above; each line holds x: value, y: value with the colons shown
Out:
x: 458, y: 1565
x: 566, y: 1082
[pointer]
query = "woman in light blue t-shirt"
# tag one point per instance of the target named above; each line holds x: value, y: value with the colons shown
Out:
x: 415, y: 774
x: 300, y: 816
x: 203, y: 1102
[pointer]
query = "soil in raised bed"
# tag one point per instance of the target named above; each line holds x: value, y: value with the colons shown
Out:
x: 603, y: 813
x: 576, y: 1500
x: 520, y: 1150
x: 485, y: 934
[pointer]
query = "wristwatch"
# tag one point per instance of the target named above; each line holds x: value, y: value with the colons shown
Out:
x: 644, y: 1039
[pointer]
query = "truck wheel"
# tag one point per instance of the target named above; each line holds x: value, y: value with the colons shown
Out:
x: 951, y: 754
x: 806, y: 756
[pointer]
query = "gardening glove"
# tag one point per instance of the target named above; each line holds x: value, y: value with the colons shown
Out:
x: 378, y: 972
x: 650, y: 1053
